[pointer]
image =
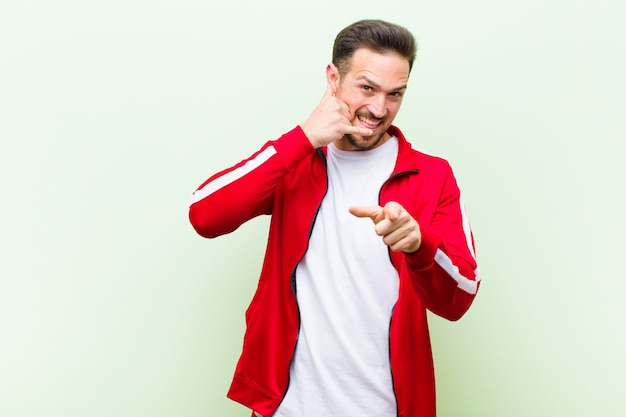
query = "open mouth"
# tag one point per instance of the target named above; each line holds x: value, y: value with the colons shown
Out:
x: 368, y: 122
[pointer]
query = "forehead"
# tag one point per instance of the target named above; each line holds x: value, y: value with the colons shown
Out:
x: 391, y: 67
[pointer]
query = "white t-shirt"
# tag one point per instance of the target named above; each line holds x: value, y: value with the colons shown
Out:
x: 346, y: 290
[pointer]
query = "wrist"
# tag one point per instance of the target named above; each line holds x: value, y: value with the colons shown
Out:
x: 310, y: 135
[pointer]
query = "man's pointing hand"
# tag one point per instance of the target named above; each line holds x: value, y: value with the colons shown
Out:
x: 399, y: 230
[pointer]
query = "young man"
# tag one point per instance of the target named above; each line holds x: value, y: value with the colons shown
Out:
x: 337, y: 327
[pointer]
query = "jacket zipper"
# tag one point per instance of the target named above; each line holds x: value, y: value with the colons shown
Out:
x: 292, y: 277
x: 393, y: 384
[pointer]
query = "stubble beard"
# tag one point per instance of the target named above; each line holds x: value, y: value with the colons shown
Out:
x: 366, y: 142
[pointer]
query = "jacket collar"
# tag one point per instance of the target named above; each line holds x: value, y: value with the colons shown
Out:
x: 405, y: 161
x: 406, y: 157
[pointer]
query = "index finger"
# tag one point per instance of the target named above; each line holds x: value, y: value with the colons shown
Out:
x: 373, y: 212
x: 356, y: 130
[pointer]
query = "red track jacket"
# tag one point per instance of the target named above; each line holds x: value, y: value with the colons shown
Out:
x: 287, y: 179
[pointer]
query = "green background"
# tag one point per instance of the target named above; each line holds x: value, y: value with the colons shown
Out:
x: 113, y: 112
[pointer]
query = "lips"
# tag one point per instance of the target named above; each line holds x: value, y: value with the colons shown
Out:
x: 368, y: 122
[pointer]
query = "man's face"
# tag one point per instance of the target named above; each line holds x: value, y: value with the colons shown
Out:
x: 373, y: 89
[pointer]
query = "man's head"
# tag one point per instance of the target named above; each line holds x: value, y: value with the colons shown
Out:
x: 377, y: 35
x: 372, y: 60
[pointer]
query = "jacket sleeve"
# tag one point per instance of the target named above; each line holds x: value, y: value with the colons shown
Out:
x: 237, y: 194
x: 444, y: 271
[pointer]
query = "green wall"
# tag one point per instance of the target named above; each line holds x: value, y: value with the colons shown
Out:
x: 113, y: 112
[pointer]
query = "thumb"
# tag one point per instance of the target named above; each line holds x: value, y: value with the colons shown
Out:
x: 392, y: 210
x: 375, y: 213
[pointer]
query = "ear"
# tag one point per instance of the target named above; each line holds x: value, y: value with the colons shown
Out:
x: 332, y: 77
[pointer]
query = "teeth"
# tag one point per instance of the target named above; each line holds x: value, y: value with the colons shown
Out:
x: 368, y: 121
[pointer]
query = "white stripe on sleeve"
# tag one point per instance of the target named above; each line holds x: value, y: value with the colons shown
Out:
x: 464, y: 283
x: 466, y: 225
x: 233, y: 175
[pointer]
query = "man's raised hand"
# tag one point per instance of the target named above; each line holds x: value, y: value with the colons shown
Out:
x: 330, y: 121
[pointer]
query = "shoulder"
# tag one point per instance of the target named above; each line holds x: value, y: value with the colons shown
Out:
x: 411, y: 156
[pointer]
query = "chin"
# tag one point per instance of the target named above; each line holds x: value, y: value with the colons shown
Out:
x: 364, y: 143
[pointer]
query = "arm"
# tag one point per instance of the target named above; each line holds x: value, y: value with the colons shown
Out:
x: 246, y: 190
x: 438, y: 258
x: 444, y: 270
x: 233, y: 196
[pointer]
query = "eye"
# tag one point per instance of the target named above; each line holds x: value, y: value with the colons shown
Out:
x: 366, y: 88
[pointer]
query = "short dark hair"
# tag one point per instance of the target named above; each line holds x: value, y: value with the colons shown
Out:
x: 377, y: 35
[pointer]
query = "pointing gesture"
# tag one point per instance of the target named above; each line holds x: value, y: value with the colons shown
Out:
x: 400, y: 231
x: 330, y: 121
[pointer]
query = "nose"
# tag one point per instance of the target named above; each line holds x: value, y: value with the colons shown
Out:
x: 378, y: 106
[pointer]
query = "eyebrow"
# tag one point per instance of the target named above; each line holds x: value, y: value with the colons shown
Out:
x: 376, y: 85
